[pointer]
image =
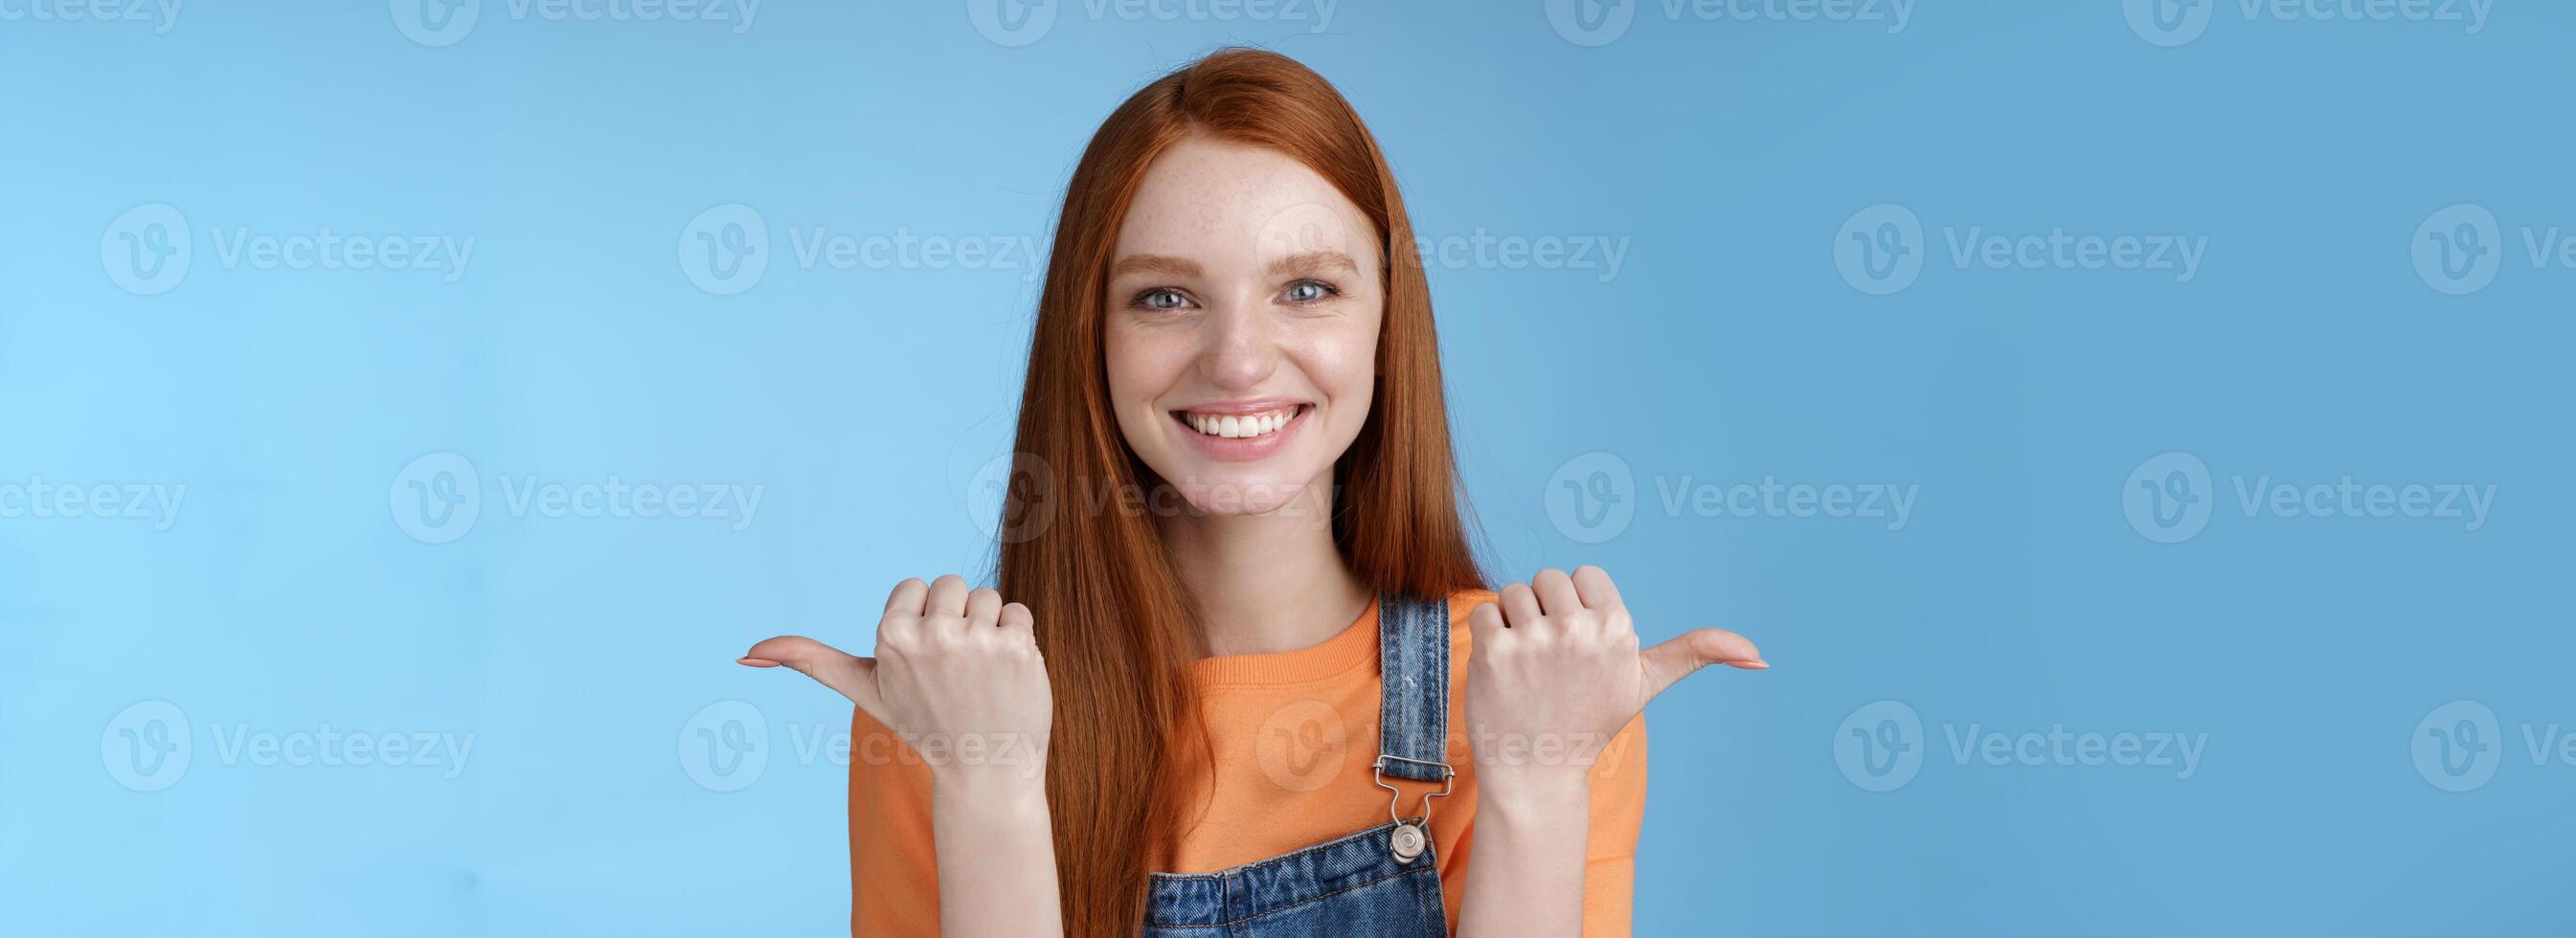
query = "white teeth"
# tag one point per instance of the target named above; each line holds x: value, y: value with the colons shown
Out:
x: 1239, y: 426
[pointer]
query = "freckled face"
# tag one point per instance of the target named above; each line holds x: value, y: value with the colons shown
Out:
x: 1241, y: 325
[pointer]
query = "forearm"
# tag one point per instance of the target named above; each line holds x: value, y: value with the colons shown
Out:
x: 1526, y: 875
x: 996, y: 856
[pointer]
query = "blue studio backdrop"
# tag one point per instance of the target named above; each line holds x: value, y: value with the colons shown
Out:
x: 2131, y: 430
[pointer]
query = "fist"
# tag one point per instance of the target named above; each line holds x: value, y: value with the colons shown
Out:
x: 1555, y: 671
x: 956, y: 675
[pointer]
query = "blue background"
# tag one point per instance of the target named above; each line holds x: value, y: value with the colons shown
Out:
x: 286, y: 593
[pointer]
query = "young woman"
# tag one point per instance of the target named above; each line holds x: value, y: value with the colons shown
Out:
x: 1240, y: 674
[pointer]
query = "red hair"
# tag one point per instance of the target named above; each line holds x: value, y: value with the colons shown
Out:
x: 1112, y: 618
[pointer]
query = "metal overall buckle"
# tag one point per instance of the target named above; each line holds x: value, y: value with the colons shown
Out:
x: 1410, y: 836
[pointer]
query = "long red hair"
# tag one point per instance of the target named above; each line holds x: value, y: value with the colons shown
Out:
x: 1112, y: 619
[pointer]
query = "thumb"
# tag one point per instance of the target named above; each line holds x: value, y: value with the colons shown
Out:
x: 853, y: 676
x: 1668, y: 663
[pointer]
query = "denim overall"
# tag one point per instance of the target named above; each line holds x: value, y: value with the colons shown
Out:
x: 1382, y: 881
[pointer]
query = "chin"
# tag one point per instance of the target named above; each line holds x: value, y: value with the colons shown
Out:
x: 1237, y: 494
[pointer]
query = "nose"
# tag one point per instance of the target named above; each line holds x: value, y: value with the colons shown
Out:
x: 1242, y: 348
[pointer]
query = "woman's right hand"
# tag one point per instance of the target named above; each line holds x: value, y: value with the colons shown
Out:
x: 957, y: 676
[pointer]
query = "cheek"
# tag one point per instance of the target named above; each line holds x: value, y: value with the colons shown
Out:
x: 1142, y: 366
x: 1341, y: 359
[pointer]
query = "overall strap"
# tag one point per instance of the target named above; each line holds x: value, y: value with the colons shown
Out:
x: 1413, y: 706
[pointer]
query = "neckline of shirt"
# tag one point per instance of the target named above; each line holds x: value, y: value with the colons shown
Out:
x: 1354, y: 646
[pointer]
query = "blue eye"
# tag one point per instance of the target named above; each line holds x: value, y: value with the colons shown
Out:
x: 1161, y: 298
x: 1308, y: 291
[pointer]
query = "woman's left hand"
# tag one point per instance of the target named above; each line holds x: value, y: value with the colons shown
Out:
x: 1555, y: 672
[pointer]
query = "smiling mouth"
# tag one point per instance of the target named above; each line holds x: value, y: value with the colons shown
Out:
x: 1240, y: 426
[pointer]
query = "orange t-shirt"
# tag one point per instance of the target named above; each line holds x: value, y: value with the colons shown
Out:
x: 1292, y: 734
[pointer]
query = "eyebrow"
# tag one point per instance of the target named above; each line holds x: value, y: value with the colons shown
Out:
x: 1309, y: 262
x: 1313, y: 262
x: 1155, y: 264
